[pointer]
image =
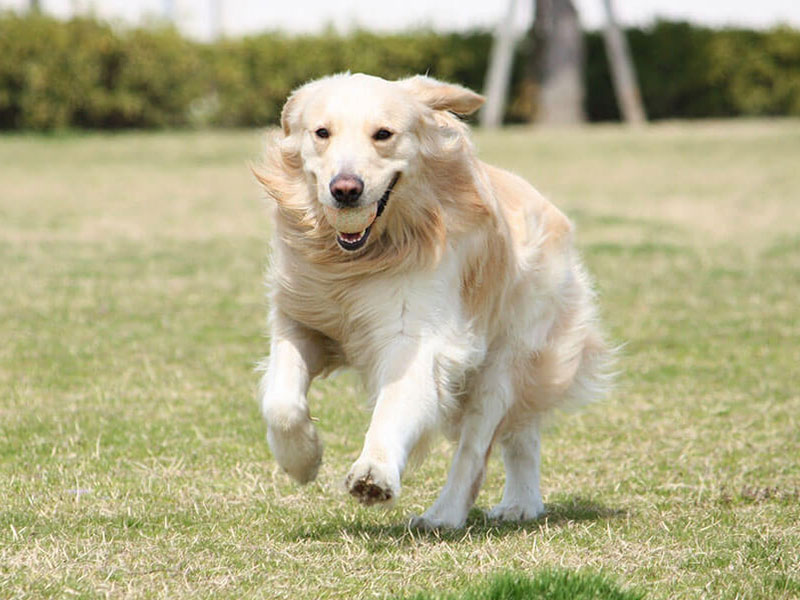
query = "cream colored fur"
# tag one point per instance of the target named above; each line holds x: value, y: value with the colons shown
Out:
x: 466, y: 312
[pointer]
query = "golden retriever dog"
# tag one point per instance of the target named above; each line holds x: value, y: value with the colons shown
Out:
x: 451, y: 286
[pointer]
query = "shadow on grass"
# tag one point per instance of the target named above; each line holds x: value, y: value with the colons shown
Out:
x: 377, y: 537
x: 579, y: 508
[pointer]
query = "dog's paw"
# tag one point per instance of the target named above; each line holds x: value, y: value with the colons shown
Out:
x: 516, y: 512
x: 372, y: 483
x: 297, y: 449
x: 431, y: 522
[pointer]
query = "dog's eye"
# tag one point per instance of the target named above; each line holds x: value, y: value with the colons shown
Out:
x: 322, y: 133
x: 382, y: 134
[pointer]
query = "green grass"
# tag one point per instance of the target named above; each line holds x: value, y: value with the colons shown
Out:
x: 546, y: 584
x: 133, y: 459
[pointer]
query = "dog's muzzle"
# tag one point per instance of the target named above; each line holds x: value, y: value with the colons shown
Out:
x: 354, y: 241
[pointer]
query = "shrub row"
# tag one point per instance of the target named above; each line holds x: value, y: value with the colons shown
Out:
x: 686, y: 71
x: 83, y: 73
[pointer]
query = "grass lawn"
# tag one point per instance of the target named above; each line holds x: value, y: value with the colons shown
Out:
x: 133, y: 459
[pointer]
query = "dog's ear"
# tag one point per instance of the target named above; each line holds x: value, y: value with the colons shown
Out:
x: 290, y: 115
x: 290, y: 112
x: 443, y: 96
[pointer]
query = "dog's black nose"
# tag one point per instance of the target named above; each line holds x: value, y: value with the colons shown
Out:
x: 346, y: 188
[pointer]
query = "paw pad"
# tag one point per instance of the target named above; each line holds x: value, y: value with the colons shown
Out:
x: 367, y: 491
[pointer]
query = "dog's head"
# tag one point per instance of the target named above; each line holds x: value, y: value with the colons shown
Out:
x: 358, y: 140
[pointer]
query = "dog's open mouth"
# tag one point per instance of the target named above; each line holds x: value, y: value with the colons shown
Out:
x: 352, y: 241
x: 339, y: 219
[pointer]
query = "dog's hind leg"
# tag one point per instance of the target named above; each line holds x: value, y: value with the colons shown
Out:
x: 483, y: 419
x: 297, y: 355
x: 522, y: 499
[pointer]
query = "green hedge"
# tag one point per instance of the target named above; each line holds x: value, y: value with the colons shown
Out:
x: 251, y: 77
x: 686, y: 71
x: 83, y: 73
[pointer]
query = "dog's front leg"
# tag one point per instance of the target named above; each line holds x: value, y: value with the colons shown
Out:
x: 406, y: 409
x: 297, y: 355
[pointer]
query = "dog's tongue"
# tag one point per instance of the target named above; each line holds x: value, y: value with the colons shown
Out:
x: 351, y: 237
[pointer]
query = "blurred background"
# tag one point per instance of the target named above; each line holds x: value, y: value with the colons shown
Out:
x: 176, y: 63
x: 133, y: 244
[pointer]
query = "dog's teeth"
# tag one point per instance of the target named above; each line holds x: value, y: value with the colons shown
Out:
x: 352, y: 237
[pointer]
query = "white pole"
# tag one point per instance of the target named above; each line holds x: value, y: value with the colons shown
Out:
x: 169, y: 10
x: 622, y: 72
x: 217, y: 25
x: 499, y: 74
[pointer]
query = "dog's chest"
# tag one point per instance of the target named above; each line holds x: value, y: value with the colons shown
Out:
x: 365, y: 316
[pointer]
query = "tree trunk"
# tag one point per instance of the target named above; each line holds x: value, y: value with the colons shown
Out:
x: 35, y: 6
x: 559, y: 60
x: 622, y: 72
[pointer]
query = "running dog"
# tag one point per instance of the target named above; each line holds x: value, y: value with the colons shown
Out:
x: 453, y: 288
